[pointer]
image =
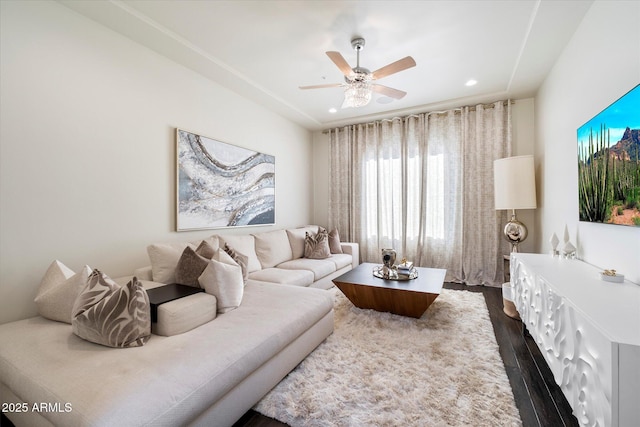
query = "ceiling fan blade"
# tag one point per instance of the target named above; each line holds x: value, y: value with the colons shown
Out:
x: 321, y: 86
x: 388, y: 91
x: 339, y: 60
x: 394, y: 67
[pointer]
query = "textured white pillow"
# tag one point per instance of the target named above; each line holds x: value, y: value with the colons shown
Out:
x: 58, y: 290
x: 223, y: 279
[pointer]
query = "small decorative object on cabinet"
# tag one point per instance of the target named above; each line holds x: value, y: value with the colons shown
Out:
x: 554, y: 245
x: 612, y: 276
x: 568, y: 250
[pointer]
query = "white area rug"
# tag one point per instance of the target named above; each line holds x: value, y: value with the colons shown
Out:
x: 379, y: 369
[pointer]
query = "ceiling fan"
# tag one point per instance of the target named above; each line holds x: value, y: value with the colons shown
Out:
x: 359, y: 81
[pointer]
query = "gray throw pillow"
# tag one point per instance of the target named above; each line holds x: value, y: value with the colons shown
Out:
x: 192, y: 263
x: 114, y: 316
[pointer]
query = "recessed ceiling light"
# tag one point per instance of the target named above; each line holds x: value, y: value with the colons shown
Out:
x: 333, y: 110
x: 471, y: 82
x: 384, y: 100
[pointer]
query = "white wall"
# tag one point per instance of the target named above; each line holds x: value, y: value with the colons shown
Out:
x: 523, y: 143
x: 600, y: 64
x: 87, y: 148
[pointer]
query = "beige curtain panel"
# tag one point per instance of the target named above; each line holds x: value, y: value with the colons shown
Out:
x: 423, y: 185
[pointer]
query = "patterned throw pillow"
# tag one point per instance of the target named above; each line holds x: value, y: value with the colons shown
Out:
x: 114, y: 316
x: 192, y: 263
x: 240, y: 259
x: 317, y: 246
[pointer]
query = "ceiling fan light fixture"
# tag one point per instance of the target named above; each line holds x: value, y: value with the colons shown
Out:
x: 357, y: 95
x: 358, y: 91
x: 358, y: 85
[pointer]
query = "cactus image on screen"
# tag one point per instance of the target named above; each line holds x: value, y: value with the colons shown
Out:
x: 609, y: 164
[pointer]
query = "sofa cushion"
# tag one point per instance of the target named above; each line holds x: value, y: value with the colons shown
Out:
x: 180, y: 315
x: 296, y: 239
x: 272, y: 248
x: 183, y: 314
x: 316, y: 246
x: 319, y: 267
x: 341, y: 260
x: 283, y: 276
x: 58, y: 290
x: 223, y: 278
x: 246, y: 245
x: 108, y: 314
x: 192, y: 263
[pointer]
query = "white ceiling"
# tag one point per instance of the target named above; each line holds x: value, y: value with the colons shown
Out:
x: 264, y: 50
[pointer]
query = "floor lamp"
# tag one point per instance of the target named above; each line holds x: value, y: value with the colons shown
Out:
x: 514, y: 188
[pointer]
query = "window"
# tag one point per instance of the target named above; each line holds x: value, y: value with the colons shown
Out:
x: 385, y: 192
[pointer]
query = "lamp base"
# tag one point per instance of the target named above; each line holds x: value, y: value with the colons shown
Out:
x: 515, y: 232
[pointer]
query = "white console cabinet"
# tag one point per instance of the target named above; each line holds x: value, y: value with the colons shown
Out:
x: 588, y: 331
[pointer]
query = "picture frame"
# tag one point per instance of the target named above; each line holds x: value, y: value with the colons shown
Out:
x: 609, y: 164
x: 220, y: 185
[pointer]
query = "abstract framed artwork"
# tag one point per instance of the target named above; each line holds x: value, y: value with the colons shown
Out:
x: 222, y: 185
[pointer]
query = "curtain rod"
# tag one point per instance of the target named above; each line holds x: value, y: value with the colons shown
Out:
x: 428, y: 113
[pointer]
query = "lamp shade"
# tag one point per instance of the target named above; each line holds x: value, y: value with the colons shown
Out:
x: 514, y: 182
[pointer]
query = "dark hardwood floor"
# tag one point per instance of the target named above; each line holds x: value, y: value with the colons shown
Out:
x: 539, y: 400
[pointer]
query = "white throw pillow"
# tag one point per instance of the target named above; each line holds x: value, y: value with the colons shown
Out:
x: 223, y: 279
x: 58, y: 290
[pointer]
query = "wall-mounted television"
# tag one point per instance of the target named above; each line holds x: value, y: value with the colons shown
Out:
x: 609, y: 164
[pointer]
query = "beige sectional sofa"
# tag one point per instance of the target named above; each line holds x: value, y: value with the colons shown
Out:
x: 274, y: 257
x: 207, y: 375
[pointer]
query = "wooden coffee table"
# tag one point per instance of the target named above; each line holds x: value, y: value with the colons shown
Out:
x: 406, y: 298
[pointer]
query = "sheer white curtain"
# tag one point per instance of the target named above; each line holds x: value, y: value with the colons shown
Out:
x: 423, y: 185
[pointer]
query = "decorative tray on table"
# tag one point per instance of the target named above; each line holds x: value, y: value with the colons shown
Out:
x: 397, y: 272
